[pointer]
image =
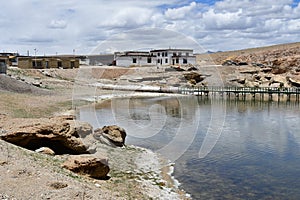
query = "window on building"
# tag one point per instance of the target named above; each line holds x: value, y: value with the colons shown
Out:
x: 133, y: 60
x: 72, y: 64
x: 163, y: 54
x: 47, y: 64
x: 149, y: 60
x: 184, y: 61
x: 36, y: 64
x: 166, y: 54
x: 187, y: 53
x: 174, y: 54
x: 177, y: 60
x: 59, y: 64
x: 158, y: 54
x: 166, y: 60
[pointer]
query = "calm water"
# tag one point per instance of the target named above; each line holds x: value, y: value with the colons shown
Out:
x: 222, y: 149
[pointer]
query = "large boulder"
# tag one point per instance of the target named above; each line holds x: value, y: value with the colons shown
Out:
x: 111, y: 135
x: 94, y: 167
x: 194, y: 76
x: 63, y: 135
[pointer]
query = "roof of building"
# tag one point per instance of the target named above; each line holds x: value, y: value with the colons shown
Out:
x: 134, y: 53
x: 48, y: 57
x: 159, y: 50
x: 9, y: 54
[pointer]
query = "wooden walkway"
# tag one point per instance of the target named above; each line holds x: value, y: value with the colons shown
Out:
x: 238, y: 92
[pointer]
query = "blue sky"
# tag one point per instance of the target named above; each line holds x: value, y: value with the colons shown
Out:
x: 60, y: 26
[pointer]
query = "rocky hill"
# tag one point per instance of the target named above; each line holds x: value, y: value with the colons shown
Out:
x: 274, y: 66
x: 220, y: 57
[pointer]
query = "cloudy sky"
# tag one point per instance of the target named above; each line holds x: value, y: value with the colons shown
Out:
x: 97, y: 26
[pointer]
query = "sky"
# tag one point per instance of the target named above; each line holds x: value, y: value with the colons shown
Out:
x: 103, y: 26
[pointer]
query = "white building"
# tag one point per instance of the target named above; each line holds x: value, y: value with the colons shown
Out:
x: 174, y: 56
x: 155, y: 57
x: 134, y: 58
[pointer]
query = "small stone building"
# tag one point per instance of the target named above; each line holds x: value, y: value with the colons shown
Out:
x: 45, y: 62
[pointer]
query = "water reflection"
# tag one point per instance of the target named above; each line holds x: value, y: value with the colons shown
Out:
x: 257, y: 156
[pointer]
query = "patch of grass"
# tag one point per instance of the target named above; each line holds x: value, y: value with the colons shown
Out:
x: 22, y: 113
x: 37, y: 112
x: 51, y: 162
x: 22, y: 106
x: 15, y: 72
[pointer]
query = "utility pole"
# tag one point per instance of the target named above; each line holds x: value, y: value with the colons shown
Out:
x: 35, y: 50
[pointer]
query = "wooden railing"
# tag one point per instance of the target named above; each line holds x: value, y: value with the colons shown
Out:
x: 243, y: 91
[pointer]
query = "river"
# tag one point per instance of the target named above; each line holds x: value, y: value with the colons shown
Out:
x: 222, y: 149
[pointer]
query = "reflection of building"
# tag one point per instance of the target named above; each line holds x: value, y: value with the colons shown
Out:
x: 44, y: 62
x: 155, y: 57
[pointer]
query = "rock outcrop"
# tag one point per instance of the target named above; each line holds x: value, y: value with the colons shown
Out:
x: 295, y: 82
x: 194, y: 77
x: 280, y: 60
x: 111, y: 135
x: 266, y: 67
x: 94, y: 167
x: 63, y: 135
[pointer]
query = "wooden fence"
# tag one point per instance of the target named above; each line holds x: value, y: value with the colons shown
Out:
x: 238, y: 92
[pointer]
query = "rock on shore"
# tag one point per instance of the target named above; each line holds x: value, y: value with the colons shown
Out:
x: 111, y: 135
x: 95, y: 167
x: 61, y: 134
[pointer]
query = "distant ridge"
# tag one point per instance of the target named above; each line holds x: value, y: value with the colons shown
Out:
x: 218, y: 57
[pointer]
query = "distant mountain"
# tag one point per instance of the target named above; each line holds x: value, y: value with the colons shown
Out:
x: 210, y: 52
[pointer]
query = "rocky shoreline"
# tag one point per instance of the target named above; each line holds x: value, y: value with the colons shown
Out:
x: 106, y: 162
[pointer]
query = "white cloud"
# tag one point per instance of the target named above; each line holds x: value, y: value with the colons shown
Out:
x: 128, y: 18
x: 293, y: 26
x: 226, y: 20
x: 180, y: 13
x: 60, y: 26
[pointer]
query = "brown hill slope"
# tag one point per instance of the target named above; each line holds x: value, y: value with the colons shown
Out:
x: 262, y: 52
